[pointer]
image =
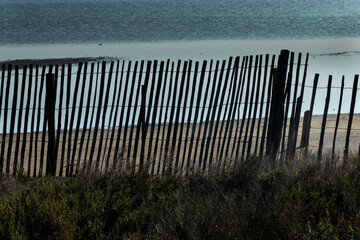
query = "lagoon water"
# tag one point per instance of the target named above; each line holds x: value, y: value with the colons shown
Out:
x: 114, y: 21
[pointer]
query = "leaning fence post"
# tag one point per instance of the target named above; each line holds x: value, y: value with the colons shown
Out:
x: 305, y: 130
x: 277, y: 105
x: 143, y: 127
x: 50, y: 119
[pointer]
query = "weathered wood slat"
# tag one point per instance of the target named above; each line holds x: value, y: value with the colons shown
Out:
x: 161, y: 117
x: 323, y: 125
x: 77, y: 129
x: 50, y: 100
x: 70, y: 167
x: 26, y: 120
x: 7, y: 92
x: 351, y: 115
x: 287, y: 104
x: 186, y: 162
x: 255, y: 107
x: 243, y: 119
x: 19, y: 123
x: 205, y: 98
x: 231, y: 113
x: 104, y: 106
x: 222, y: 138
x: 268, y: 102
x: 243, y: 81
x: 104, y: 159
x: 33, y: 121
x: 125, y: 140
x: 197, y: 109
x: 118, y: 93
x: 262, y: 103
x: 84, y: 128
x: 12, y: 122
x: 96, y: 91
x: 170, y: 94
x: 137, y: 134
x: 185, y: 75
x: 338, y: 117
x: 97, y: 120
x: 205, y: 140
x: 153, y: 123
x: 236, y: 111
x: 215, y: 108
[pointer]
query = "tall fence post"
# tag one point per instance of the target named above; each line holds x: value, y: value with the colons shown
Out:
x: 50, y: 119
x: 277, y: 105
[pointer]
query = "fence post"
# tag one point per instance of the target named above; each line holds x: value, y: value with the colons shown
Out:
x: 277, y: 105
x: 306, y: 130
x: 143, y: 127
x: 50, y: 119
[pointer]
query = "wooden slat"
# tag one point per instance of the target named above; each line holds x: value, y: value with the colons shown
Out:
x: 5, y: 120
x: 239, y: 92
x: 125, y: 140
x: 243, y: 119
x: 240, y: 97
x: 216, y: 108
x: 19, y: 123
x: 77, y: 129
x: 141, y: 120
x: 338, y: 117
x: 184, y: 107
x: 70, y: 167
x: 87, y: 113
x: 96, y: 92
x: 104, y: 106
x: 230, y: 115
x: 26, y: 120
x: 351, y: 115
x: 43, y: 134
x: 153, y: 122
x: 68, y: 87
x: 33, y: 121
x: 206, y: 140
x: 268, y: 101
x: 137, y: 133
x: 222, y: 137
x: 287, y: 104
x: 255, y: 108
x: 197, y: 110
x: 262, y: 102
x: 205, y: 98
x: 170, y: 94
x: 12, y: 123
x: 298, y: 111
x: 132, y: 109
x: 119, y: 155
x: 161, y: 117
x: 118, y: 93
x: 98, y: 115
x: 323, y: 125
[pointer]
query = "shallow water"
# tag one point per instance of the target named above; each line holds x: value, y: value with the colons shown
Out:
x: 109, y: 21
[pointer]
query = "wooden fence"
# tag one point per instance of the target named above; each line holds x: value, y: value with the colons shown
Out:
x: 153, y: 116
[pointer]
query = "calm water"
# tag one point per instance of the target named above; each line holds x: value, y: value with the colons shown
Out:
x: 107, y: 21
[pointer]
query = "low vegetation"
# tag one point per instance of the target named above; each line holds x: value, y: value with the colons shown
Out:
x: 298, y: 200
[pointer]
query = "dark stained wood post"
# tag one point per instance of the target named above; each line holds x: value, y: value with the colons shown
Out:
x: 351, y: 114
x: 338, y: 116
x: 323, y: 126
x: 305, y: 130
x: 277, y: 105
x: 50, y: 118
x: 142, y: 124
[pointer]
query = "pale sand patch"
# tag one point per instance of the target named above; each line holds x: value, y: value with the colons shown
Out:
x: 159, y: 158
